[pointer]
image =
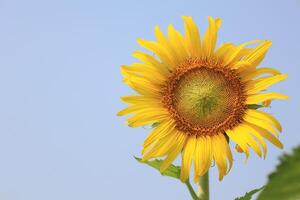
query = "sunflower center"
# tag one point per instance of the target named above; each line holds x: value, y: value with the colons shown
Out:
x: 205, y: 100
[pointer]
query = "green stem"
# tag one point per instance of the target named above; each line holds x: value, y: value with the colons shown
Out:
x: 191, y: 190
x: 203, y: 193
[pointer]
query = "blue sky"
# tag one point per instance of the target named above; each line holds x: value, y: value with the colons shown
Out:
x: 60, y: 84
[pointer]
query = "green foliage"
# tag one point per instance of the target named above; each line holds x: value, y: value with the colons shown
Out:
x: 155, y: 124
x: 171, y: 171
x: 254, y: 106
x: 249, y: 195
x: 284, y: 183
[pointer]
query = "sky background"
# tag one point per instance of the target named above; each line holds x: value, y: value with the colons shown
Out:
x: 60, y: 84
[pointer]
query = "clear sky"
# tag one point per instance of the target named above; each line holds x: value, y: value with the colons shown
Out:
x: 60, y: 84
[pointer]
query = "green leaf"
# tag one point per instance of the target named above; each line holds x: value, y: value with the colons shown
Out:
x: 284, y: 183
x: 155, y: 124
x: 254, y: 106
x: 171, y: 171
x: 249, y: 195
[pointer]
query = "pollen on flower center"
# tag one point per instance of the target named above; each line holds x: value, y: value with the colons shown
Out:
x: 204, y: 99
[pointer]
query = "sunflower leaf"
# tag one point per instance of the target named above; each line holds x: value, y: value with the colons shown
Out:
x: 254, y: 106
x: 155, y: 124
x: 171, y: 171
x: 284, y: 182
x: 249, y: 195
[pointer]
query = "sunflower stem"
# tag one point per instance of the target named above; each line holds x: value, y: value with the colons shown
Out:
x: 203, y: 187
x: 191, y: 190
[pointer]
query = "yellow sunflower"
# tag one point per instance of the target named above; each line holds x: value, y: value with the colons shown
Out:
x: 199, y: 97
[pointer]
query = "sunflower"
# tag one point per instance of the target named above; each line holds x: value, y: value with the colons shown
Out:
x: 198, y: 98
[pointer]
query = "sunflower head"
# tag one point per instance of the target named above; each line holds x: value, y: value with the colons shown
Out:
x: 204, y: 98
x: 199, y: 96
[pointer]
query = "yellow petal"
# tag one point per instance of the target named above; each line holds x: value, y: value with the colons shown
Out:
x: 140, y: 99
x: 210, y: 37
x: 225, y: 49
x: 192, y: 36
x: 220, y: 154
x: 233, y: 54
x: 246, y: 51
x: 258, y: 136
x: 257, y: 98
x: 245, y: 134
x: 248, y: 75
x: 138, y: 108
x: 174, y: 152
x: 260, y: 123
x: 163, y: 40
x: 235, y: 136
x: 160, y: 51
x: 263, y: 83
x: 148, y: 72
x: 203, y: 156
x: 177, y: 42
x: 236, y: 52
x: 162, y: 130
x: 162, y: 146
x: 142, y: 86
x: 145, y: 117
x: 268, y: 136
x: 150, y: 60
x: 187, y: 157
x: 242, y: 66
x: 258, y: 53
x: 265, y: 117
x: 227, y: 150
